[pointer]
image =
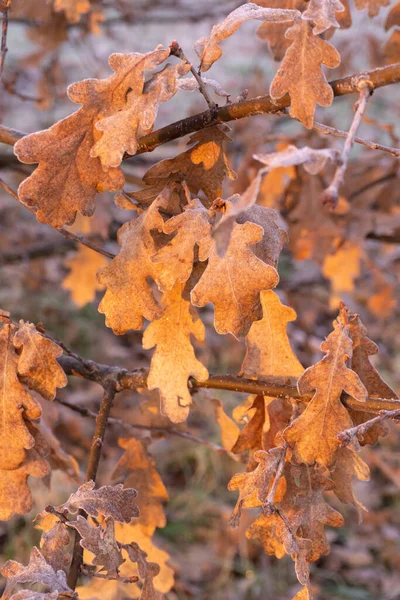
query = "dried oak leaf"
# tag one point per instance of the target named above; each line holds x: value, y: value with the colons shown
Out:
x: 101, y: 542
x: 233, y: 283
x: 268, y: 350
x: 111, y: 501
x: 73, y: 9
x: 303, y: 594
x: 342, y: 268
x: 204, y: 166
x: 147, y: 571
x: 174, y: 361
x: 192, y: 229
x: 274, y: 33
x: 55, y: 538
x: 255, y: 482
x: 348, y: 464
x: 373, y: 6
x: 250, y: 436
x: 68, y: 175
x: 323, y: 14
x: 363, y: 348
x: 229, y: 430
x: 37, y: 571
x: 37, y: 364
x: 301, y: 75
x: 129, y: 297
x: 81, y: 280
x: 208, y: 48
x: 314, y: 431
x: 31, y: 595
x: 15, y: 495
x: 393, y: 17
x: 138, y: 469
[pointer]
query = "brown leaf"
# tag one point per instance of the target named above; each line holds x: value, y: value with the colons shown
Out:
x: 268, y: 350
x: 54, y: 541
x: 81, y: 280
x: 323, y: 14
x: 147, y: 571
x: 303, y: 594
x: 204, y: 166
x: 301, y: 74
x: 314, y: 432
x: 342, y: 268
x: 101, y: 542
x: 348, y: 464
x: 274, y: 33
x: 236, y: 305
x: 250, y: 436
x: 192, y: 227
x: 37, y: 571
x: 393, y: 17
x: 129, y: 297
x: 73, y: 9
x: 110, y: 501
x: 373, y: 6
x: 208, y: 48
x: 69, y: 172
x: 30, y: 595
x: 229, y: 430
x: 256, y: 482
x: 138, y: 469
x: 174, y: 360
x: 37, y: 365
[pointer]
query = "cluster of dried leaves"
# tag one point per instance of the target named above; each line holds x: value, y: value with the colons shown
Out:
x: 185, y: 248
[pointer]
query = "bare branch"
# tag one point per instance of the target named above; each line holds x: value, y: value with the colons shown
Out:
x: 4, y: 28
x: 347, y: 436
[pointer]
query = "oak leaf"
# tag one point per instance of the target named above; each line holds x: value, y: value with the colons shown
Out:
x: 233, y: 283
x: 393, y: 17
x: 348, y: 464
x: 208, y: 48
x: 110, y: 501
x: 323, y: 14
x: 204, y: 166
x: 301, y: 74
x: 101, y: 542
x: 31, y: 595
x: 129, y: 297
x: 303, y: 594
x: 268, y: 350
x: 256, y: 482
x: 192, y: 229
x: 73, y: 9
x: 250, y: 436
x: 342, y: 268
x: 314, y: 432
x: 174, y: 361
x: 138, y: 469
x: 68, y: 175
x: 274, y: 33
x: 147, y: 571
x: 373, y: 6
x: 81, y: 280
x: 37, y: 571
x: 55, y: 538
x: 229, y: 430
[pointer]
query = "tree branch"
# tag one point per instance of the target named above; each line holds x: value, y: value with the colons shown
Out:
x: 4, y: 28
x: 278, y: 387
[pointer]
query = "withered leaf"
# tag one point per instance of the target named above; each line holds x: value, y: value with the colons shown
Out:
x: 147, y: 571
x: 208, y: 48
x: 250, y: 435
x: 233, y: 283
x: 110, y: 501
x: 81, y: 280
x: 256, y: 482
x: 312, y: 160
x: 314, y: 432
x: 37, y: 364
x: 373, y: 6
x: 204, y: 166
x: 274, y: 33
x: 301, y: 74
x: 348, y: 464
x: 53, y: 543
x: 73, y: 9
x: 100, y: 542
x: 31, y: 595
x: 342, y: 268
x: 129, y: 297
x: 268, y: 350
x: 229, y: 430
x: 174, y: 361
x: 393, y: 17
x: 138, y: 469
x: 192, y: 228
x: 323, y: 14
x: 68, y: 175
x: 303, y: 594
x: 37, y: 571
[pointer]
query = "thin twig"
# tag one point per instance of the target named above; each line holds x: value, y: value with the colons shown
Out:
x: 64, y: 232
x: 331, y: 194
x: 4, y: 28
x: 346, y: 437
x: 177, y: 51
x: 85, y: 412
x: 87, y: 570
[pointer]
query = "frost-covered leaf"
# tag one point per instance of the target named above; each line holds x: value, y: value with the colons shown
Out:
x: 301, y: 75
x: 111, y: 501
x: 312, y: 160
x: 208, y: 48
x: 323, y: 14
x: 174, y: 361
x: 373, y: 6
